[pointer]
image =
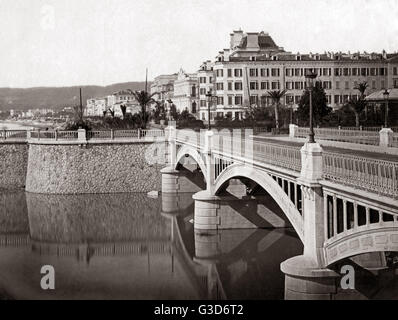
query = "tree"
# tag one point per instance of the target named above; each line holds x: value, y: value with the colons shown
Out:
x: 276, y: 97
x: 319, y: 104
x: 123, y: 108
x: 357, y: 106
x: 144, y: 98
x: 361, y: 87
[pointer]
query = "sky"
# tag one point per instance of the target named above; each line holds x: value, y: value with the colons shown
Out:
x: 100, y: 42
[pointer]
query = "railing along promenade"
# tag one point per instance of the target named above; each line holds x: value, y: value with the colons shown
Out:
x: 64, y: 135
x: 369, y: 174
x: 375, y: 136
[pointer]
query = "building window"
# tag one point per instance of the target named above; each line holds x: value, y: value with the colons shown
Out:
x: 373, y: 84
x: 219, y: 73
x: 254, y: 85
x: 347, y: 85
x: 354, y: 72
x: 238, y: 73
x: 202, y: 80
x: 275, y: 72
x: 395, y: 71
x: 346, y: 72
x: 238, y: 100
x: 219, y: 86
x: 238, y: 85
x: 229, y: 73
x: 229, y: 86
x: 264, y: 72
x: 264, y: 85
x: 253, y: 72
x: 220, y: 100
x: 337, y: 85
x: 297, y: 72
x: 230, y: 100
x: 254, y: 99
x: 275, y: 85
x: 289, y: 99
x: 337, y: 99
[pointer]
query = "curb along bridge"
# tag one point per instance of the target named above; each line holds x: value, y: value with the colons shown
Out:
x: 340, y: 205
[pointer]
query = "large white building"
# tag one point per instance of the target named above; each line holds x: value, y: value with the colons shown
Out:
x: 253, y: 65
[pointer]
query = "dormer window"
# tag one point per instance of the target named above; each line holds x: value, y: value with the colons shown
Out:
x: 298, y: 58
x: 274, y: 58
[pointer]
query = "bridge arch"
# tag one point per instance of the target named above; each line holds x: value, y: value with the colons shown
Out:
x: 263, y: 179
x: 194, y: 154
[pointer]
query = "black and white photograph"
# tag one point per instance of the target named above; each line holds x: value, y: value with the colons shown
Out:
x: 198, y: 151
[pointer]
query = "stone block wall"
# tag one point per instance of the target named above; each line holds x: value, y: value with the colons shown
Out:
x: 94, y: 168
x: 13, y: 165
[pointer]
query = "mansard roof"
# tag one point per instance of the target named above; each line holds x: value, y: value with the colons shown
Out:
x: 264, y: 42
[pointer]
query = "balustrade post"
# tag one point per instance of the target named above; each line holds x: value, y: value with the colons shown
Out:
x: 4, y: 134
x: 139, y: 133
x: 38, y: 134
x: 56, y: 134
x: 293, y: 130
x: 81, y: 135
x: 112, y: 134
x: 386, y: 137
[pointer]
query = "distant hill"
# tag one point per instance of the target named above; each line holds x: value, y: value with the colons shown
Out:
x: 57, y: 97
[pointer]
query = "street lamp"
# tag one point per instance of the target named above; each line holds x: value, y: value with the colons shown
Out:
x: 310, y: 76
x: 209, y: 97
x: 386, y: 94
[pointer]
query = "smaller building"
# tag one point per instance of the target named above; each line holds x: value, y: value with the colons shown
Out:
x: 186, y: 92
x: 163, y: 87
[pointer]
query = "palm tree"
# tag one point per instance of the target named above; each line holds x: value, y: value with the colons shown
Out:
x: 144, y: 98
x: 357, y: 106
x: 123, y: 108
x: 276, y: 97
x: 361, y: 87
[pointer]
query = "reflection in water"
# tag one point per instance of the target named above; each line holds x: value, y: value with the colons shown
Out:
x: 128, y: 246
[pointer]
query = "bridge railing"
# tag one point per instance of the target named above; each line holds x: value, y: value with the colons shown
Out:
x: 14, y: 135
x: 288, y: 157
x: 369, y: 137
x: 194, y: 138
x: 376, y: 176
x: 53, y: 135
x: 93, y: 134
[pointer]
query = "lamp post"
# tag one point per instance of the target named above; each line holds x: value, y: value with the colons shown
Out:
x: 209, y: 97
x: 386, y: 94
x: 310, y: 76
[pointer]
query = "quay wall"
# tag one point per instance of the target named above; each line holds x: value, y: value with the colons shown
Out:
x: 13, y: 165
x: 91, y: 168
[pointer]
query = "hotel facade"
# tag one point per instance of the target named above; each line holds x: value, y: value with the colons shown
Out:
x: 253, y: 65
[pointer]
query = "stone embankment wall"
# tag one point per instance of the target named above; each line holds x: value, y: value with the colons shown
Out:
x: 94, y: 168
x: 13, y: 165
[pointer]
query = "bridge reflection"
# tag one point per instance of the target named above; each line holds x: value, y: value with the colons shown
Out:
x: 128, y: 246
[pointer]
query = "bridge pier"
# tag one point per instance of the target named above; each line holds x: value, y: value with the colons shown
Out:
x: 306, y: 276
x: 234, y: 212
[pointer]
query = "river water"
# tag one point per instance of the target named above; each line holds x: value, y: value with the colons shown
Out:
x: 129, y: 246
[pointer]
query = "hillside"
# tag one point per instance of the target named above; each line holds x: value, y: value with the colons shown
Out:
x: 57, y: 97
